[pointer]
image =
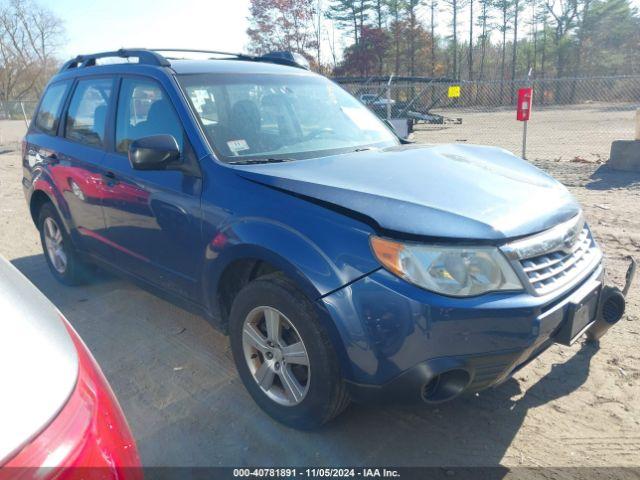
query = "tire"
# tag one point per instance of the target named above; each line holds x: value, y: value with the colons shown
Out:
x: 72, y: 271
x: 324, y: 394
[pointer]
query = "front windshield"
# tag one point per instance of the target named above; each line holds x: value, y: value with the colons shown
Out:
x: 248, y: 117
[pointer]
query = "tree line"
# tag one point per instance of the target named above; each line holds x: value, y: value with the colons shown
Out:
x: 30, y: 37
x: 456, y: 39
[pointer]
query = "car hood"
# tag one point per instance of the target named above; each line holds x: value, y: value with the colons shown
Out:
x: 38, y: 361
x: 439, y: 191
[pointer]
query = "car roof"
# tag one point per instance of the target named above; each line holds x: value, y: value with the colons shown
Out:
x: 233, y: 66
x: 178, y: 62
x: 186, y: 67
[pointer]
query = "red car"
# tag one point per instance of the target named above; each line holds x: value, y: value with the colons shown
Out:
x: 57, y: 411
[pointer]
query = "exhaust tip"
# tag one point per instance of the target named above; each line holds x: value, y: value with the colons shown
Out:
x: 613, y: 307
x: 611, y: 311
x: 445, y: 386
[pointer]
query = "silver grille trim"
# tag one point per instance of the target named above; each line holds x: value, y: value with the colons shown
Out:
x: 554, y: 258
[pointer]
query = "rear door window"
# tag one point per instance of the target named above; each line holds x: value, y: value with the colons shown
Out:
x: 87, y: 115
x: 48, y: 115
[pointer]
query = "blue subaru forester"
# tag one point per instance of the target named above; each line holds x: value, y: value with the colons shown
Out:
x: 344, y: 263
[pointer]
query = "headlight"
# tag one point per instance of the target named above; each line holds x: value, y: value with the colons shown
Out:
x: 454, y: 271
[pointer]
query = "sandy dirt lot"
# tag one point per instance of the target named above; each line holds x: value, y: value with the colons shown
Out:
x: 175, y: 379
x: 585, y: 131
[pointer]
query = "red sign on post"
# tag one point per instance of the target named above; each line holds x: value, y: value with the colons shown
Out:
x: 524, y: 104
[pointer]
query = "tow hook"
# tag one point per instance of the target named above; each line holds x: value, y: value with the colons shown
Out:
x: 631, y: 272
x: 612, y: 305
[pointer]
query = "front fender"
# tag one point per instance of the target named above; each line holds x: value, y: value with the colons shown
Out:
x: 305, y: 262
x: 316, y: 272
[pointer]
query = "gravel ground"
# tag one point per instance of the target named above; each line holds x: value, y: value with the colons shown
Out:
x: 173, y: 373
x: 584, y: 131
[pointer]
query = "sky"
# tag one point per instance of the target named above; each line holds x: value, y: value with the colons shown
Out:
x: 102, y: 25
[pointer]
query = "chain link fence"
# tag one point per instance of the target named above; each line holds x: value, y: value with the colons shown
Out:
x: 17, y: 110
x: 15, y: 116
x: 572, y: 118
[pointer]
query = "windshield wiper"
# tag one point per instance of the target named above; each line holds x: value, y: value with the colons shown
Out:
x: 253, y: 161
x: 363, y: 149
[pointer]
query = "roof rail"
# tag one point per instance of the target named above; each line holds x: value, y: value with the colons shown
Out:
x: 242, y: 56
x: 144, y: 56
x: 283, y: 58
x: 291, y: 59
x: 154, y: 57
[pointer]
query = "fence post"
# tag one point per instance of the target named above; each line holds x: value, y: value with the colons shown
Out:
x: 24, y: 114
x: 638, y: 124
x: 389, y: 98
x: 529, y: 84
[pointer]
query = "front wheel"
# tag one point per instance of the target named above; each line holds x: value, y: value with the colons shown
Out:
x: 284, y: 355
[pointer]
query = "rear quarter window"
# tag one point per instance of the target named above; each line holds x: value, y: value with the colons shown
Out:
x: 48, y: 115
x: 87, y: 114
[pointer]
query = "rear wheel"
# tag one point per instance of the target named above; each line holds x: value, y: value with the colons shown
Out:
x: 283, y: 354
x: 59, y: 252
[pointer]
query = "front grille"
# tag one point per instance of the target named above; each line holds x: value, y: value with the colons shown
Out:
x: 553, y: 270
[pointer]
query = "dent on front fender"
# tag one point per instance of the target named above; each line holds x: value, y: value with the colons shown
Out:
x: 322, y: 248
x: 319, y: 267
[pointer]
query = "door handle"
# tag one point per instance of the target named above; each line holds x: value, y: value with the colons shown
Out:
x: 109, y: 177
x: 46, y: 156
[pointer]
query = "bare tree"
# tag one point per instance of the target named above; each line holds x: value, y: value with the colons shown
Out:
x: 471, y: 22
x: 396, y: 12
x: 412, y: 13
x: 317, y: 32
x: 433, y: 4
x: 30, y: 36
x: 517, y: 6
x: 544, y: 19
x: 455, y: 5
x: 380, y: 13
x: 331, y: 42
x: 504, y: 7
x: 483, y: 22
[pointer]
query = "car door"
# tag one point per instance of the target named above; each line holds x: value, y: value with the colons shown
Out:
x: 152, y: 217
x: 74, y: 155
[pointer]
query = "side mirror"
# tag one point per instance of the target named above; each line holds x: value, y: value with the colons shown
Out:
x: 401, y: 129
x: 156, y: 152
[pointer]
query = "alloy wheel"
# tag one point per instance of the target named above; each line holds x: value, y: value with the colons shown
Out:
x: 276, y: 356
x: 54, y: 244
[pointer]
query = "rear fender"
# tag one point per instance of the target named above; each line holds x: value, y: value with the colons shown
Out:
x: 42, y: 182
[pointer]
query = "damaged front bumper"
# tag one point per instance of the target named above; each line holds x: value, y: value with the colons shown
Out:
x: 408, y: 344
